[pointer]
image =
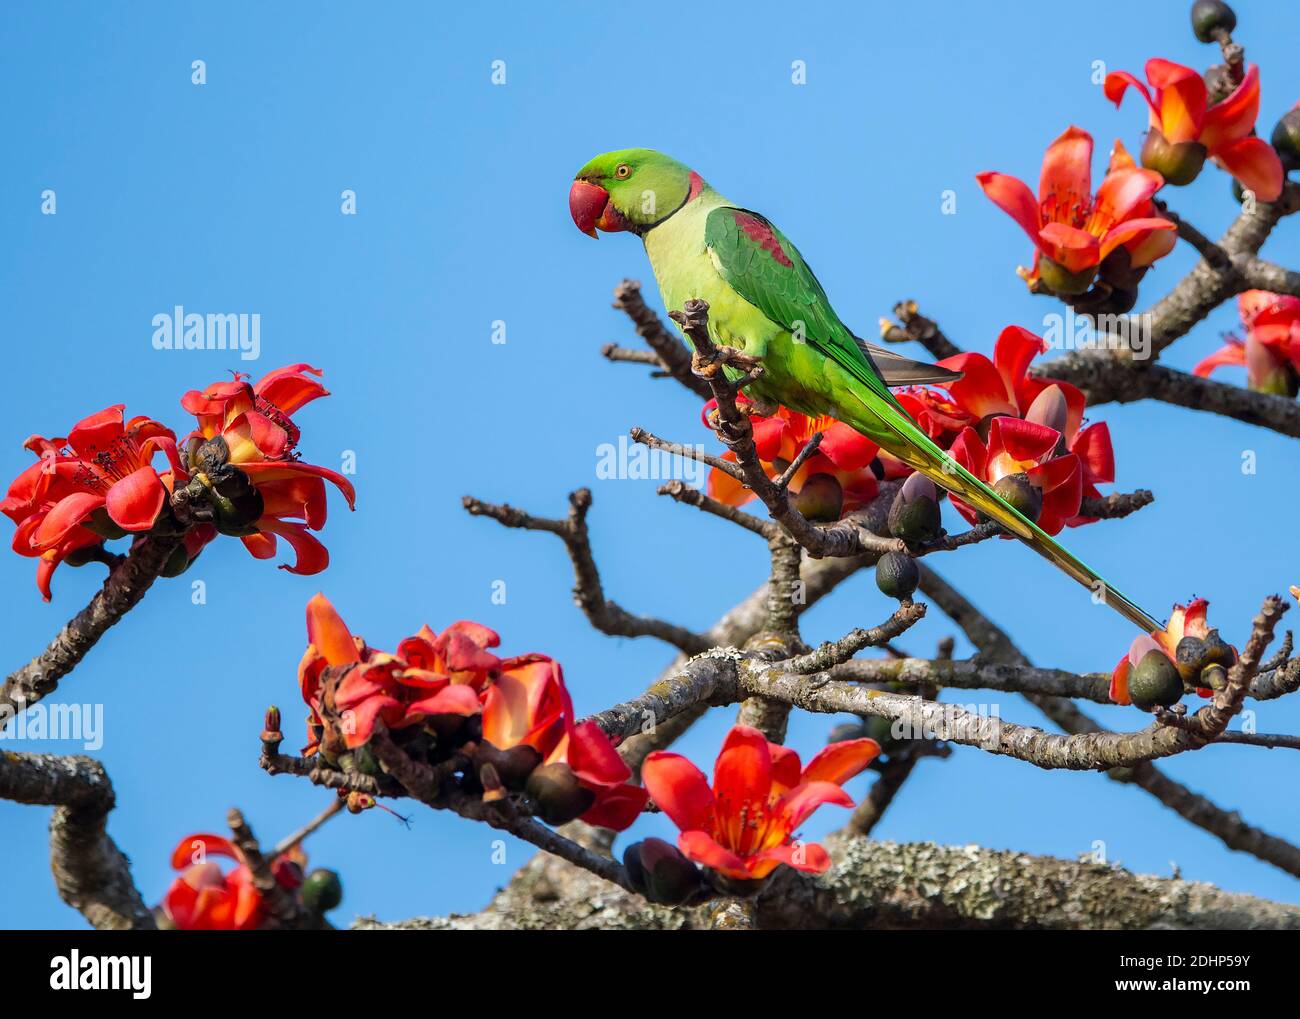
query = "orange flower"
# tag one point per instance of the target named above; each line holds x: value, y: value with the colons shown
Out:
x: 1184, y: 621
x: 431, y: 675
x: 1271, y: 350
x: 743, y: 826
x: 203, y: 898
x: 844, y: 454
x: 98, y: 483
x: 244, y: 455
x: 1185, y: 129
x: 527, y: 704
x: 1073, y: 231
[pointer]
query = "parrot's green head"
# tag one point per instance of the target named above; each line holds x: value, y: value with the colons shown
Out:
x: 630, y: 189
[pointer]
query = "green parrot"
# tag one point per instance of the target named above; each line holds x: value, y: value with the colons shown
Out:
x: 764, y: 299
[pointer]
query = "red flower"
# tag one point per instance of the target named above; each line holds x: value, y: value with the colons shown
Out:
x: 431, y: 675
x: 742, y: 826
x: 96, y: 484
x: 1017, y: 446
x: 1002, y: 390
x: 1181, y: 117
x: 258, y: 437
x: 1070, y: 228
x: 205, y: 899
x: 527, y: 704
x: 1184, y: 621
x: 1271, y: 351
x: 844, y: 454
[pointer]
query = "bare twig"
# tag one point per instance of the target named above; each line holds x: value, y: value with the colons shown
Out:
x: 588, y: 594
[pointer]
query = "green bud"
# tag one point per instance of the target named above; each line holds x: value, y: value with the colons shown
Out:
x: 321, y: 891
x: 897, y: 575
x: 1211, y: 16
x: 1022, y: 494
x: 1178, y: 162
x: 82, y: 556
x: 177, y: 563
x: 558, y: 794
x: 102, y: 524
x: 914, y: 514
x: 1059, y: 280
x: 821, y: 499
x: 1154, y: 680
x: 362, y: 761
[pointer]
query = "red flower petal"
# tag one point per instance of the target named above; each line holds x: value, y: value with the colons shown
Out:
x: 809, y: 857
x: 679, y: 789
x: 839, y: 762
x: 1254, y: 162
x: 1014, y: 198
x: 327, y: 632
x: 801, y: 801
x: 701, y: 847
x: 743, y: 770
x: 617, y: 808
x: 135, y: 502
x: 1181, y: 97
x: 1067, y: 168
x: 1233, y: 118
x: 981, y: 390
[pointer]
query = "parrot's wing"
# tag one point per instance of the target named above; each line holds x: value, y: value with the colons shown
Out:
x: 762, y: 266
x: 898, y: 370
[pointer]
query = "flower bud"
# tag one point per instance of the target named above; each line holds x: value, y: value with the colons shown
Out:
x: 558, y: 794
x: 1286, y: 139
x: 914, y: 514
x: 847, y: 731
x: 177, y: 562
x: 513, y: 766
x: 821, y: 499
x: 360, y: 761
x: 1020, y: 493
x: 271, y: 726
x: 100, y: 523
x: 1210, y: 17
x: 660, y: 872
x: 82, y: 556
x: 1154, y: 680
x: 1059, y: 280
x: 1178, y: 162
x: 897, y: 575
x: 322, y: 890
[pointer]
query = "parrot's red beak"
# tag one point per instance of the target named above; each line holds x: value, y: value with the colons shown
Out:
x: 587, y: 203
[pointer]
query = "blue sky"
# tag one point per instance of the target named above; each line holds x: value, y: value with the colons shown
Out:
x: 226, y: 197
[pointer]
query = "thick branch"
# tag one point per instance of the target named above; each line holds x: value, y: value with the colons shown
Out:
x: 91, y: 874
x: 123, y: 588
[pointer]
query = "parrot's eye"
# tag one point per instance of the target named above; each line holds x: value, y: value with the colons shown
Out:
x: 623, y: 171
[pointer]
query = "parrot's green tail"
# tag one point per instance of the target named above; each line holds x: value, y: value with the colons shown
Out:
x: 916, y: 449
